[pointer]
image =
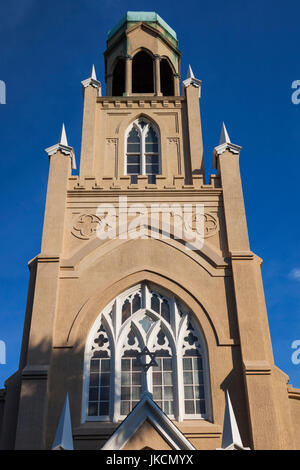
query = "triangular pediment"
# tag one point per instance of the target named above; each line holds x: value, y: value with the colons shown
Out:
x: 147, y: 424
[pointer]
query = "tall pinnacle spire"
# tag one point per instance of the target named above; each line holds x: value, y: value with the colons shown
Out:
x: 93, y: 74
x: 63, y: 147
x: 190, y: 73
x: 92, y: 80
x: 63, y: 137
x: 64, y: 437
x: 224, y: 137
x: 191, y: 80
x: 231, y: 439
x: 224, y: 144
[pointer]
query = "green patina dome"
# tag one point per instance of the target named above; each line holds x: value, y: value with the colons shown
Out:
x: 146, y: 17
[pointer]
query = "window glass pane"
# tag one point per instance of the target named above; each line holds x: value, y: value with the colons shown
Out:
x: 94, y: 380
x: 189, y: 407
x: 152, y: 159
x: 93, y: 409
x: 155, y: 303
x: 133, y: 159
x: 125, y: 393
x: 126, y: 310
x: 95, y: 363
x: 105, y: 365
x: 151, y: 148
x: 187, y: 363
x: 151, y: 179
x: 152, y: 169
x: 168, y: 393
x: 133, y: 148
x: 133, y: 179
x: 133, y: 169
x: 125, y: 364
x: 198, y: 363
x: 136, y: 303
x: 125, y: 407
x: 167, y: 364
x: 198, y: 377
x: 165, y: 310
x: 136, y: 365
x: 104, y: 393
x: 187, y: 377
x: 93, y: 395
x: 167, y: 378
x: 104, y: 379
x: 151, y: 135
x: 125, y: 378
x: 157, y: 393
x: 188, y: 392
x: 157, y: 378
x: 168, y: 407
x: 133, y: 136
x: 136, y: 378
x: 104, y: 407
x: 136, y: 393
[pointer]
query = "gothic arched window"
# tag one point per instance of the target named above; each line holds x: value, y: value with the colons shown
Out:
x: 142, y: 151
x: 116, y: 374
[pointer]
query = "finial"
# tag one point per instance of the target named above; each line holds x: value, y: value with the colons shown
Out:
x: 224, y: 137
x: 63, y: 137
x: 64, y: 436
x: 191, y: 80
x: 93, y: 74
x: 92, y: 80
x: 63, y: 147
x: 190, y: 73
x: 224, y: 144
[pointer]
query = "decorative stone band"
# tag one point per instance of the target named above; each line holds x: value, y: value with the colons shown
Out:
x: 241, y: 255
x: 42, y: 258
x: 257, y: 368
x: 293, y: 392
x: 193, y: 81
x: 65, y: 149
x: 232, y: 148
x: 39, y: 372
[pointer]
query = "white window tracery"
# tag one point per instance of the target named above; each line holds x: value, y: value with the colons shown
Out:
x: 142, y: 151
x: 114, y: 379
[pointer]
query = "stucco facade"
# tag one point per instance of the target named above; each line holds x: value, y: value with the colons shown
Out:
x: 77, y: 275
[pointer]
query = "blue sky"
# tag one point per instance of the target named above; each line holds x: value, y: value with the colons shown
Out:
x: 247, y: 55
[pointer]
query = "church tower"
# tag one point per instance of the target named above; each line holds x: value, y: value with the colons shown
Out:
x: 146, y: 323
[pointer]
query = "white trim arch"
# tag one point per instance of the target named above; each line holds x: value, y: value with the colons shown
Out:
x: 142, y: 156
x: 146, y: 315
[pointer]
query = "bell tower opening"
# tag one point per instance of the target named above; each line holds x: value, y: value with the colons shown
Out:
x: 166, y: 78
x: 118, y: 81
x: 142, y: 73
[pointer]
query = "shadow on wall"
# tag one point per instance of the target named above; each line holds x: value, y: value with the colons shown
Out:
x: 34, y: 398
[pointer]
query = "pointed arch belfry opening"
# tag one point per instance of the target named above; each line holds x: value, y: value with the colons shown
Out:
x: 118, y: 78
x: 166, y: 78
x: 146, y: 316
x: 142, y: 73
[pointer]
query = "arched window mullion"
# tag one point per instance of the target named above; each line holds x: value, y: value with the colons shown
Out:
x: 175, y: 337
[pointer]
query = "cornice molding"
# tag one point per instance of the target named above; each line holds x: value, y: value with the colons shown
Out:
x: 65, y: 149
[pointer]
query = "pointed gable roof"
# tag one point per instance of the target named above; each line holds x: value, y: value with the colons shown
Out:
x: 147, y: 410
x: 64, y: 437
